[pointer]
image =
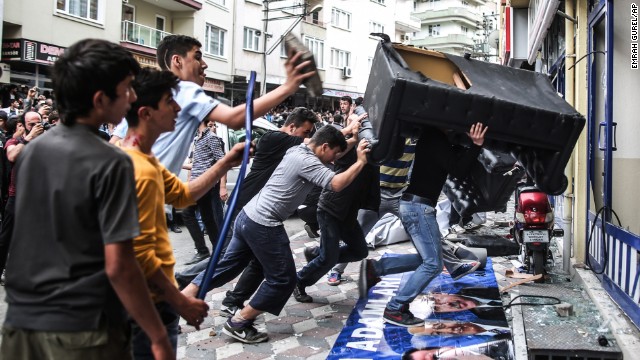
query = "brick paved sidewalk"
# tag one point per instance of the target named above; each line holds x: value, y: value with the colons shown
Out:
x: 302, y: 331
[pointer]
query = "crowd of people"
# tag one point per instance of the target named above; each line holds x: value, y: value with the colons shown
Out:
x: 90, y: 255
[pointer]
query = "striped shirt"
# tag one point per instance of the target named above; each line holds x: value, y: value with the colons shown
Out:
x: 394, y: 174
x: 206, y: 151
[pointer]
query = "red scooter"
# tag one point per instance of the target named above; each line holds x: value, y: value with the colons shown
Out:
x: 533, y: 225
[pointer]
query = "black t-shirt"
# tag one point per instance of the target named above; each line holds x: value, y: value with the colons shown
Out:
x: 435, y: 159
x: 362, y: 193
x: 56, y: 279
x: 270, y: 150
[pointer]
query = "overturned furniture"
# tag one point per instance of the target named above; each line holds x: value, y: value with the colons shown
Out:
x: 409, y: 88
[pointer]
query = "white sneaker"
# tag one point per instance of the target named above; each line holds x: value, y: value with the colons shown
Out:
x: 457, y: 229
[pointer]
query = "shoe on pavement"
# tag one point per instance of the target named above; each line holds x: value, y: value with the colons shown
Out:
x: 246, y: 333
x: 335, y: 278
x: 301, y: 295
x: 197, y: 258
x: 310, y: 253
x: 311, y: 232
x: 175, y: 228
x: 367, y: 278
x: 402, y: 317
x: 465, y: 269
x: 457, y: 229
x: 228, y: 311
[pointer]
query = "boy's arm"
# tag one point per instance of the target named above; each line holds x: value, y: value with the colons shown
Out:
x: 191, y: 309
x: 342, y: 180
x: 234, y: 116
x: 126, y: 278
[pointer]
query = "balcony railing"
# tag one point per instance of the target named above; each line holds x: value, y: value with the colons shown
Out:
x: 142, y: 35
x: 450, y: 40
x: 461, y: 13
x: 407, y: 23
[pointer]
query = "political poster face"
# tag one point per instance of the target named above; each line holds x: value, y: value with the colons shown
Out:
x: 462, y: 319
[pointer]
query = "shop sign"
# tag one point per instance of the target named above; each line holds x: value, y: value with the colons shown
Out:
x: 146, y: 61
x: 213, y: 85
x: 341, y: 93
x: 11, y: 50
x: 30, y: 51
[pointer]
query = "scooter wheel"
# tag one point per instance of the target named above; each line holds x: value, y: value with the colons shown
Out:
x: 538, y: 264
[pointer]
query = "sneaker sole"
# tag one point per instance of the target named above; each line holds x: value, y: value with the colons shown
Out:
x: 362, y: 280
x: 334, y: 283
x: 401, y: 324
x: 473, y: 269
x: 243, y: 340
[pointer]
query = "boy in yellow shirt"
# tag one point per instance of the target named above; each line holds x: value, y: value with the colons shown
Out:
x: 153, y: 113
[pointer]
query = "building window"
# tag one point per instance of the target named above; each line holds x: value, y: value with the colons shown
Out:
x: 340, y: 58
x: 87, y: 9
x: 434, y: 30
x: 381, y: 2
x: 219, y: 2
x: 214, y: 40
x: 464, y: 29
x: 375, y: 27
x: 316, y: 46
x: 341, y: 19
x: 251, y: 39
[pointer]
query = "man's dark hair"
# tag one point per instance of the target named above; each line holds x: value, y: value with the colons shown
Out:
x: 150, y: 85
x: 331, y: 136
x: 174, y: 45
x: 54, y: 116
x: 299, y: 116
x: 347, y: 99
x: 3, y: 115
x: 338, y: 119
x: 85, y: 68
x: 11, y: 125
x: 359, y: 100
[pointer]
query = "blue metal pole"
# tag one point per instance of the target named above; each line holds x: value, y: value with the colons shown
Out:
x: 213, y: 261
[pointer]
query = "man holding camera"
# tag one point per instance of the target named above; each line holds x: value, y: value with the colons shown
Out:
x: 27, y: 128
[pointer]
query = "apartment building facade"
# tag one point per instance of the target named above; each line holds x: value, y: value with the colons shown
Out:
x: 457, y: 27
x: 236, y: 36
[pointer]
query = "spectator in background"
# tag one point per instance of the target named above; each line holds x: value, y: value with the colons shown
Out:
x: 14, y: 106
x: 208, y: 149
x: 54, y: 117
x: 12, y: 148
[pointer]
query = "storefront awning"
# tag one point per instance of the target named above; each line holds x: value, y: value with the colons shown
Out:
x: 341, y: 93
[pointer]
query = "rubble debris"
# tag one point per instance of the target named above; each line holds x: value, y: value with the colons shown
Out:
x: 564, y: 309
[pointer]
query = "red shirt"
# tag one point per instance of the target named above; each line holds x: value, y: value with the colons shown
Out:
x: 12, y: 181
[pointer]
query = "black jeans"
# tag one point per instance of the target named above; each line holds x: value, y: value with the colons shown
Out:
x: 332, y: 230
x: 210, y: 207
x: 5, y: 232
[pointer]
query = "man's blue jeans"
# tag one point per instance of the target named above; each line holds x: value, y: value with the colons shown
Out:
x: 419, y: 220
x: 270, y: 246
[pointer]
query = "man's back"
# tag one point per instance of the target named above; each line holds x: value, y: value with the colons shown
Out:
x: 62, y: 229
x: 269, y: 152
